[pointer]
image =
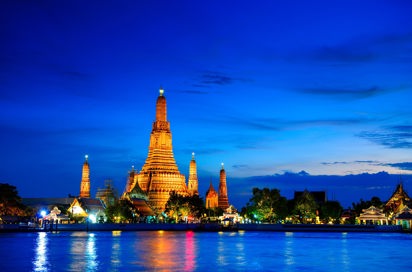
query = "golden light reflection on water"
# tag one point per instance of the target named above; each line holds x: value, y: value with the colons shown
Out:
x: 83, y: 251
x: 40, y: 262
x: 163, y: 251
x: 116, y: 233
x: 116, y: 249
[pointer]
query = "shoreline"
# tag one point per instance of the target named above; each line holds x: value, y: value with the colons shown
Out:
x: 209, y: 227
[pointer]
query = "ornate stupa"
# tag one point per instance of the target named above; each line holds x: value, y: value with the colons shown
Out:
x: 212, y: 198
x: 192, y: 186
x: 223, y: 199
x: 160, y: 175
x: 85, y: 182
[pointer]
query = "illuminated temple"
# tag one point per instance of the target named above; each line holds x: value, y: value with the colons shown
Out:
x: 160, y: 175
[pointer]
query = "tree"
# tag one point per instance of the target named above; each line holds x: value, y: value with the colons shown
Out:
x: 358, y: 207
x: 330, y: 211
x: 10, y: 202
x: 266, y: 205
x: 179, y: 207
x: 305, y: 207
x: 121, y: 212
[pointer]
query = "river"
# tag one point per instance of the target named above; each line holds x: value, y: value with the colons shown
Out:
x: 205, y: 251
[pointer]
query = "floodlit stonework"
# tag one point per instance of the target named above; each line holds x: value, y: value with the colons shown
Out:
x: 192, y: 186
x: 160, y: 175
x: 223, y: 199
x: 212, y: 197
x: 85, y: 182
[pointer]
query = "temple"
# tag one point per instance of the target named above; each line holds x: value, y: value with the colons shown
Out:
x: 399, y: 200
x: 85, y: 182
x: 192, y: 186
x: 212, y: 197
x: 223, y: 199
x: 160, y: 175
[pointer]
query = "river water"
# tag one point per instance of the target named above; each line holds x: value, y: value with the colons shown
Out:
x: 205, y: 251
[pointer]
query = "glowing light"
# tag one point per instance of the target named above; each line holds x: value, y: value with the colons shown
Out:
x: 86, y: 157
x: 116, y: 232
x: 92, y: 218
x: 222, y: 164
x: 161, y: 91
x: 43, y: 213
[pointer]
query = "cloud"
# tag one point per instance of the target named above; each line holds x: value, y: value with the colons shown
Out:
x: 348, y: 94
x: 352, y: 162
x: 240, y: 166
x: 215, y: 78
x: 401, y: 165
x: 273, y: 124
x: 392, y: 137
x: 196, y: 92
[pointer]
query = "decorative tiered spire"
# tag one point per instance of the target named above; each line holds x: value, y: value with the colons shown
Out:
x: 85, y: 182
x: 192, y: 186
x: 223, y: 199
x: 160, y: 175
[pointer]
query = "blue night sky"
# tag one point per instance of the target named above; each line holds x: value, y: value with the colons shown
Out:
x: 271, y: 90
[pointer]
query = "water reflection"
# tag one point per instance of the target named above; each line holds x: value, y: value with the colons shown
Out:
x: 289, y: 259
x: 83, y: 250
x: 163, y: 250
x: 190, y: 250
x: 116, y: 249
x: 344, y: 252
x: 40, y: 262
x: 221, y: 249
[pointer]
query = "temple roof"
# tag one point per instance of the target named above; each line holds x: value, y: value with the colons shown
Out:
x: 372, y: 213
x: 211, y: 190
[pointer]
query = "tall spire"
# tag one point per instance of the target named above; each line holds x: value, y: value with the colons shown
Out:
x: 160, y: 175
x: 161, y: 108
x: 85, y: 182
x: 193, y: 183
x: 223, y: 199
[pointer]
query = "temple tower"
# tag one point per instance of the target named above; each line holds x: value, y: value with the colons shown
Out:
x: 192, y: 186
x: 212, y: 198
x: 160, y: 175
x: 131, y: 181
x: 85, y: 183
x: 223, y: 199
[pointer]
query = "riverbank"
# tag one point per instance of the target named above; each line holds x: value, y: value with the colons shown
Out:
x: 204, y: 227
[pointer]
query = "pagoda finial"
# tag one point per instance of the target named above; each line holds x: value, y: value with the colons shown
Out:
x: 223, y: 165
x: 86, y: 157
x: 193, y: 155
x: 161, y: 91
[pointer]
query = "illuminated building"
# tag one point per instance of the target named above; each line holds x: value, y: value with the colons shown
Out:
x: 211, y: 197
x: 85, y: 182
x: 108, y: 195
x: 223, y: 199
x: 160, y: 175
x: 398, y: 200
x: 192, y: 186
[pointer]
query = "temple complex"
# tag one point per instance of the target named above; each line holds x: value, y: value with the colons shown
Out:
x: 160, y: 175
x: 212, y: 197
x: 85, y: 182
x: 192, y: 186
x: 223, y: 199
